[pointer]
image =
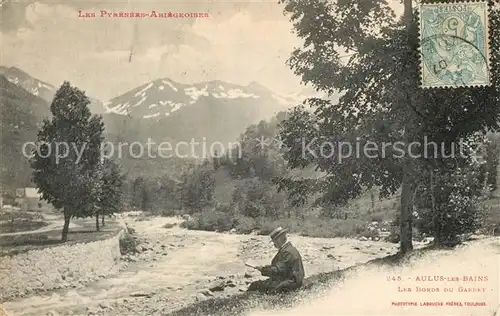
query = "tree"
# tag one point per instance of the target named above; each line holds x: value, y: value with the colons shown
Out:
x: 140, y: 194
x: 492, y: 156
x: 110, y: 201
x: 380, y: 101
x: 198, y: 188
x: 69, y: 179
x: 258, y: 154
x: 451, y: 206
x: 257, y: 198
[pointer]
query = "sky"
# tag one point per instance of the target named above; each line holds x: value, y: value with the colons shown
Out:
x: 239, y: 42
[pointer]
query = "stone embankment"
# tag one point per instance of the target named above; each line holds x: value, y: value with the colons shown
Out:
x: 57, y: 267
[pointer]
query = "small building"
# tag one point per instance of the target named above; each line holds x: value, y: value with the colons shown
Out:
x: 28, y: 199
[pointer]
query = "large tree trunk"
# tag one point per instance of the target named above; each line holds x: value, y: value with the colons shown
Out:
x: 405, y: 235
x: 97, y: 222
x: 408, y: 185
x: 102, y: 221
x: 436, y: 220
x: 372, y: 196
x: 65, y: 230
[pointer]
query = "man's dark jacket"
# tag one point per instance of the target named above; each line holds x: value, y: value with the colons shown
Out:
x: 286, y: 271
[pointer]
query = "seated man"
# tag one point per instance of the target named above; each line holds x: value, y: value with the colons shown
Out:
x: 286, y: 271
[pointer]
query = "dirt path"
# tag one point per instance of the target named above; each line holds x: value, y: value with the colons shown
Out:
x: 55, y: 224
x: 178, y: 267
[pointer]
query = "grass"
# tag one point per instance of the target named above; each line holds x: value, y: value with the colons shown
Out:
x: 311, y: 226
x: 18, y: 215
x: 15, y: 244
x: 241, y: 304
x: 21, y: 225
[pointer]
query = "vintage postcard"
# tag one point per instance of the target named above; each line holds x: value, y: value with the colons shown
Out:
x: 454, y: 43
x: 249, y: 158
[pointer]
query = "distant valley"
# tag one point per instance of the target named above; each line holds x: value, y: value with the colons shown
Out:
x: 161, y: 110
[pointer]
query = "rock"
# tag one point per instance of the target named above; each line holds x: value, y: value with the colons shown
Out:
x: 328, y: 247
x: 363, y: 238
x: 247, y: 275
x: 139, y: 294
x: 330, y: 256
x: 207, y: 293
x: 218, y: 288
x: 200, y: 297
x: 356, y: 248
x: 104, y: 305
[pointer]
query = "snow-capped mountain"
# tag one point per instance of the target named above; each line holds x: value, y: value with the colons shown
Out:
x: 36, y: 87
x: 162, y: 97
x: 215, y: 111
x: 40, y: 88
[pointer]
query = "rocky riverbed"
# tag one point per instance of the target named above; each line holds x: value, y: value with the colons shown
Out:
x: 175, y: 267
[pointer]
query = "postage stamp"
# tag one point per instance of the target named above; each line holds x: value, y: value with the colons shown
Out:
x: 454, y: 44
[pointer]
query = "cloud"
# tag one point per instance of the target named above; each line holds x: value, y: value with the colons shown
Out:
x: 239, y: 42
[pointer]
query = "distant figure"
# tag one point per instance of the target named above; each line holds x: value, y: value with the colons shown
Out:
x: 286, y: 272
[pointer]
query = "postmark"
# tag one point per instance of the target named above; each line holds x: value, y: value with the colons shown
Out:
x: 454, y: 45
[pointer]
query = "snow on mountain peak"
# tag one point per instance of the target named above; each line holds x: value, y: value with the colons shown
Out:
x: 25, y: 81
x: 168, y: 96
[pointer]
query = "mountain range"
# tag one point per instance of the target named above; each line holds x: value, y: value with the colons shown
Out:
x: 160, y: 110
x: 40, y: 88
x: 20, y: 114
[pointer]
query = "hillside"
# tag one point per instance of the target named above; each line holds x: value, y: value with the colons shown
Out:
x: 213, y: 111
x: 20, y: 112
x: 40, y: 88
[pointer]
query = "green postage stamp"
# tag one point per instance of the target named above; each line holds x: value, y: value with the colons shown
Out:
x: 454, y: 44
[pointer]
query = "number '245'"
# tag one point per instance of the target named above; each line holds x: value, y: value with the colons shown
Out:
x: 393, y: 278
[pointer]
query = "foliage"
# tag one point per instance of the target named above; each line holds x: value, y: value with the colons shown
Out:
x: 258, y: 154
x: 492, y: 156
x: 457, y: 204
x: 198, y: 188
x: 70, y: 182
x: 256, y: 198
x: 210, y: 220
x: 380, y: 101
x: 128, y: 243
x: 110, y: 199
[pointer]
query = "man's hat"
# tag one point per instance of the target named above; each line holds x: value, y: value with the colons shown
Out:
x: 277, y: 232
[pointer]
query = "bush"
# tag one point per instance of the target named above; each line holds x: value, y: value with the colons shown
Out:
x: 128, y: 244
x: 245, y: 225
x: 257, y: 198
x: 457, y: 201
x: 331, y: 228
x: 210, y: 221
x: 169, y: 225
